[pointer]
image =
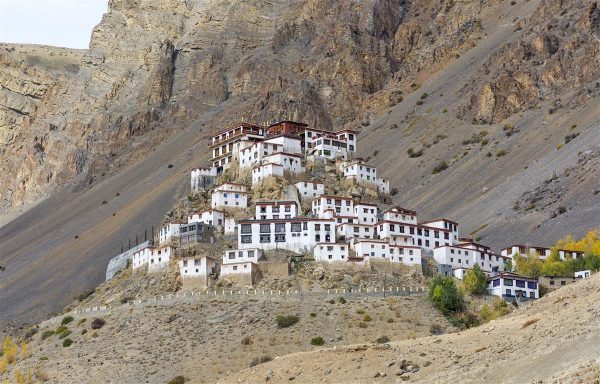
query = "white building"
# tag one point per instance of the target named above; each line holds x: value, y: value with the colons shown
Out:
x: 158, y: 260
x: 253, y: 155
x: 467, y: 255
x: 330, y: 252
x: 298, y: 234
x: 230, y: 226
x: 288, y: 144
x: 583, y: 274
x: 195, y: 271
x: 355, y: 230
x: 168, y: 232
x: 361, y: 173
x: 331, y: 148
x: 381, y: 250
x: 308, y: 190
x: 241, y: 265
x: 230, y: 195
x: 261, y: 172
x: 242, y: 255
x: 213, y: 217
x: 291, y: 163
x: 141, y: 256
x: 400, y: 215
x: 510, y: 285
x: 343, y: 206
x: 366, y: 213
x: 202, y: 178
x: 269, y: 210
x: 224, y: 143
x: 541, y: 252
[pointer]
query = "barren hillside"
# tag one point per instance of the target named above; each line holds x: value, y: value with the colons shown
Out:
x: 553, y: 340
x: 505, y: 94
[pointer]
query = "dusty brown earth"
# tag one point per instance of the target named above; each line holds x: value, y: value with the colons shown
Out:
x: 207, y: 339
x: 553, y: 340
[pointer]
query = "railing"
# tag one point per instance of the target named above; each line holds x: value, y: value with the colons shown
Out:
x: 266, y: 293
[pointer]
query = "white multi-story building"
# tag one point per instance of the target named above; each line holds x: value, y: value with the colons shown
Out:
x: 309, y: 190
x: 230, y: 226
x: 141, y: 256
x: 330, y: 252
x: 298, y: 234
x: 158, y: 260
x: 224, y: 144
x: 269, y: 210
x: 331, y: 148
x: 242, y: 255
x: 355, y: 230
x: 241, y: 265
x: 195, y: 271
x: 230, y: 195
x: 467, y: 255
x: 213, y: 217
x: 366, y: 213
x: 510, y: 285
x: 381, y: 250
x: 291, y: 163
x: 289, y: 144
x: 263, y: 171
x: 425, y: 236
x: 253, y: 155
x: 168, y: 232
x: 541, y: 252
x: 343, y: 206
x: 400, y: 215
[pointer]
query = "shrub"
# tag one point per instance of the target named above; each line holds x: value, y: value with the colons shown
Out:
x: 394, y: 191
x: 66, y: 320
x: 500, y: 153
x: 47, y: 334
x: 313, y: 314
x: 362, y: 324
x: 67, y: 342
x: 60, y: 329
x: 561, y: 210
x: 81, y: 321
x: 444, y: 110
x: 170, y: 166
x: 475, y: 281
x: 412, y: 154
x: 97, y: 323
x: 439, y: 168
x: 342, y: 300
x: 286, y: 321
x: 85, y: 295
x: 382, y: 339
x: 260, y: 360
x: 246, y: 340
x: 318, y: 341
x: 360, y: 311
x: 424, y: 96
x: 64, y: 334
x: 420, y: 102
x: 444, y: 294
x: 436, y: 329
x: 177, y: 380
x: 367, y: 318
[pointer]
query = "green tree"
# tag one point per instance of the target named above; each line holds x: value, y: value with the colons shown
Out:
x: 591, y: 262
x: 508, y: 265
x: 444, y: 294
x: 553, y: 265
x: 529, y: 266
x: 475, y: 281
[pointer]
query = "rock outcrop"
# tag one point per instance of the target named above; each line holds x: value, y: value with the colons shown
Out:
x: 557, y: 57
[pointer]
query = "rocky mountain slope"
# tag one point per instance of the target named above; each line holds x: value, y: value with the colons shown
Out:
x: 504, y: 94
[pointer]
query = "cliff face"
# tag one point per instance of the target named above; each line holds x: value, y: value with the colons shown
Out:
x: 156, y: 65
x: 557, y: 56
